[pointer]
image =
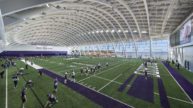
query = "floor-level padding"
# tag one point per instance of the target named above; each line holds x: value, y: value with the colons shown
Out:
x: 142, y: 88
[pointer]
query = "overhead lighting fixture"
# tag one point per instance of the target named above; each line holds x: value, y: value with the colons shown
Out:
x: 135, y: 31
x: 107, y: 31
x: 119, y: 31
x: 92, y: 32
x: 113, y: 31
x: 97, y: 31
x: 88, y: 32
x: 144, y: 32
x: 101, y: 31
x: 47, y: 5
x: 126, y: 31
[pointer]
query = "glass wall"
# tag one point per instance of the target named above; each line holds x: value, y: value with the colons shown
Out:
x: 156, y: 48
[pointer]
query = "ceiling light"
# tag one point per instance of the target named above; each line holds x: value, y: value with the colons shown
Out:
x: 47, y: 5
x: 126, y: 31
x: 144, y: 32
x: 88, y: 32
x: 101, y: 31
x: 135, y: 31
x: 97, y: 31
x: 92, y: 32
x: 113, y: 31
x: 119, y: 31
x: 107, y: 31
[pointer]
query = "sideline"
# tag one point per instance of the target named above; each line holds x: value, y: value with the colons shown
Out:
x: 6, y: 90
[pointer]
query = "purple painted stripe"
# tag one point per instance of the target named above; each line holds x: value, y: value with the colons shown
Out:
x: 142, y: 88
x: 184, y: 83
x: 123, y: 86
x: 163, y: 96
x: 32, y: 53
x: 96, y: 97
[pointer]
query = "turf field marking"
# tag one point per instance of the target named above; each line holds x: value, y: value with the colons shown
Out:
x: 82, y: 64
x: 109, y: 97
x: 99, y: 73
x: 178, y: 84
x: 6, y: 90
x: 34, y: 65
x: 105, y: 94
x: 177, y: 99
x: 109, y: 82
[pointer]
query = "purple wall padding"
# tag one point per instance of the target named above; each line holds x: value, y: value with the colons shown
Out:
x: 32, y: 53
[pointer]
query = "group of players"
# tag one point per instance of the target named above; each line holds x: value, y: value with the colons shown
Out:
x: 83, y: 71
x: 8, y: 62
x: 52, y: 99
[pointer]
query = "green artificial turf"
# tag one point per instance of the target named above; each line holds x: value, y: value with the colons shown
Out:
x: 2, y: 88
x: 184, y: 72
x: 119, y: 69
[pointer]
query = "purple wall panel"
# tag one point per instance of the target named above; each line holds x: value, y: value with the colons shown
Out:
x: 32, y: 53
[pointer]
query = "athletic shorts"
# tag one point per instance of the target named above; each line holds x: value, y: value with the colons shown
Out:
x: 23, y: 99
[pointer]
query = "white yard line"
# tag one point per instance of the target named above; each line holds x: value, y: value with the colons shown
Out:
x: 82, y: 64
x: 177, y: 99
x: 105, y: 94
x: 109, y: 82
x: 178, y: 84
x: 98, y: 73
x: 6, y: 89
x: 109, y: 97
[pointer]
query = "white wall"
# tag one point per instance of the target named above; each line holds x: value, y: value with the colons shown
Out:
x: 36, y: 48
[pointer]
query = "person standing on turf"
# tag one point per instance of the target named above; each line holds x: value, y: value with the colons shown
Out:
x: 56, y: 85
x: 23, y: 97
x: 178, y: 66
x: 2, y: 74
x: 145, y: 73
x: 99, y: 65
x: 73, y: 76
x: 40, y: 72
x: 65, y: 77
x: 107, y: 64
x: 86, y: 71
x: 26, y: 66
x: 15, y: 80
x: 81, y: 71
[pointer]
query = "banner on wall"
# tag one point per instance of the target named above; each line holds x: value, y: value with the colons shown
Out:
x: 184, y: 35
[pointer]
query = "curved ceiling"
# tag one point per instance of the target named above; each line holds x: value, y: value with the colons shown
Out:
x: 80, y: 22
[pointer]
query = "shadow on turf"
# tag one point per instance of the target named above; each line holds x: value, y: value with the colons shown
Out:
x: 34, y: 93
